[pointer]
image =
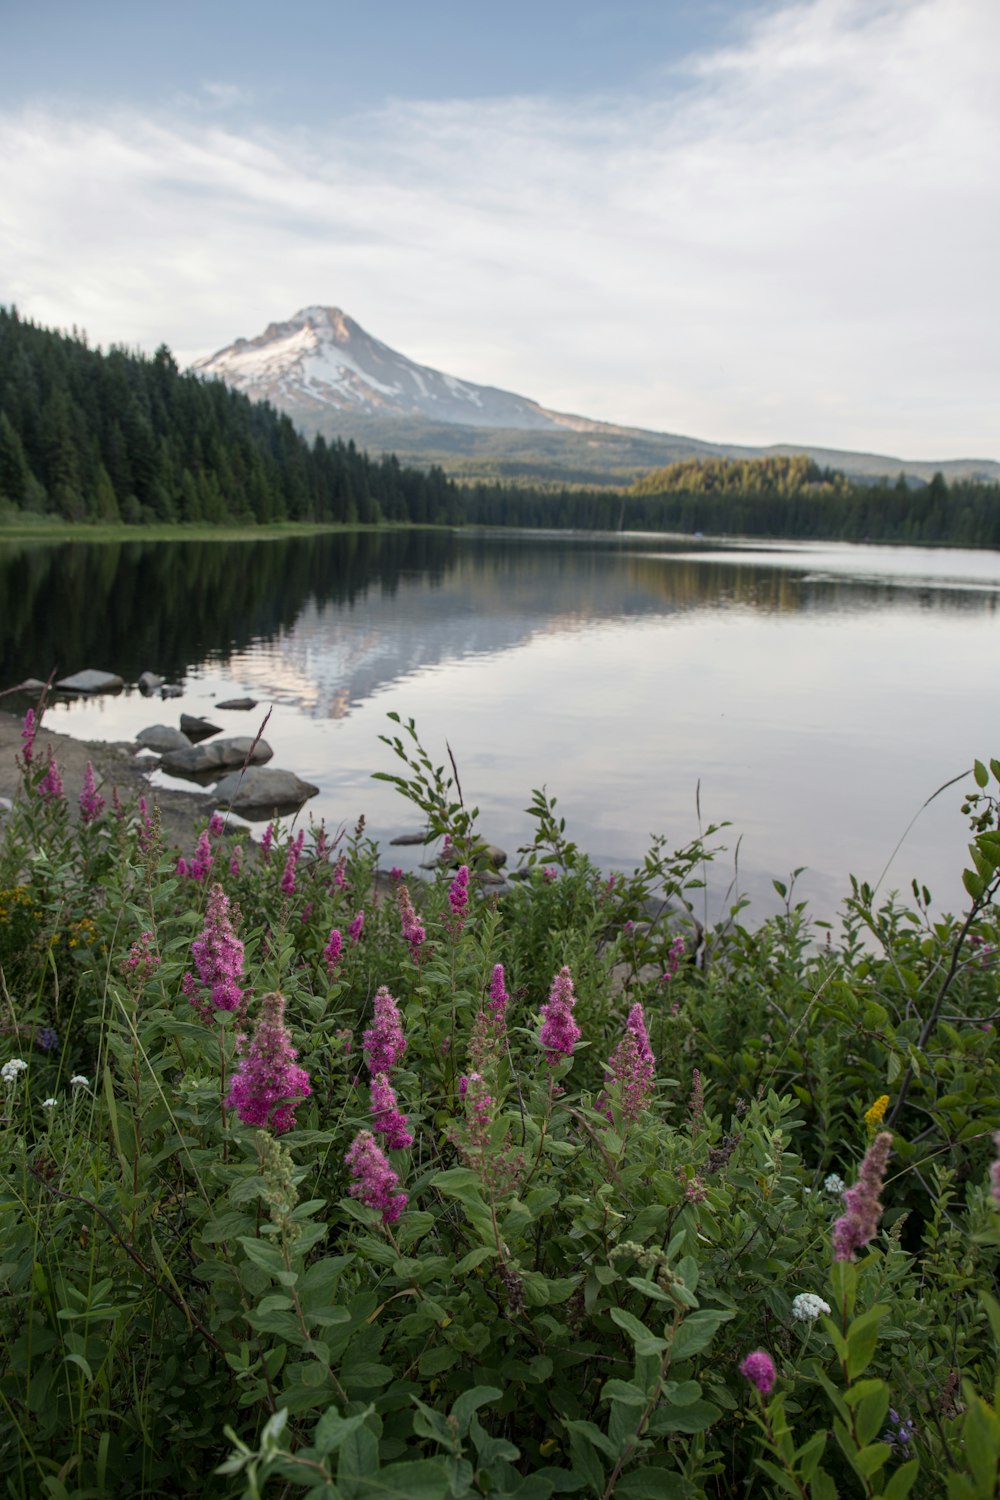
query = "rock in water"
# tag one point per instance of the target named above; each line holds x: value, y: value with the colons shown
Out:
x: 149, y: 682
x: 262, y: 792
x: 162, y: 738
x: 91, y: 681
x: 241, y: 703
x: 198, y: 729
x: 220, y: 755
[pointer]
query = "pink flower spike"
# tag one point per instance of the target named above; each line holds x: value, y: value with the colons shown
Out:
x: 859, y: 1224
x: 92, y: 804
x: 332, y: 953
x: 357, y: 927
x: 51, y: 785
x: 559, y: 1033
x: 458, y: 892
x: 385, y: 1112
x: 498, y: 994
x: 291, y: 861
x: 218, y: 957
x: 216, y: 825
x: 629, y: 1079
x: 413, y: 933
x: 28, y: 736
x: 995, y: 1172
x: 758, y: 1368
x: 375, y: 1182
x: 383, y: 1043
x: 269, y: 1085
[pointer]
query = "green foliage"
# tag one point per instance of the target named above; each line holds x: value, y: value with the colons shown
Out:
x: 193, y: 1304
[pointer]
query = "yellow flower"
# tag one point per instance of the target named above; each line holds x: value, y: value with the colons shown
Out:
x: 873, y: 1116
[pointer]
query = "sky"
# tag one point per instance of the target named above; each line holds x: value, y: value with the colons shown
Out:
x: 748, y: 221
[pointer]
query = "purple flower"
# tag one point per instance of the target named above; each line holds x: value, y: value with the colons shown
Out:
x: 629, y: 1079
x: 51, y: 785
x: 758, y: 1368
x: 383, y: 1043
x: 498, y: 994
x: 144, y: 831
x: 549, y: 874
x: 677, y: 948
x: 332, y: 952
x: 47, y: 1038
x: 218, y: 957
x: 995, y: 1172
x: 28, y: 736
x: 860, y: 1223
x: 236, y: 860
x: 357, y: 926
x: 458, y: 891
x: 375, y: 1182
x: 291, y: 860
x: 269, y: 1084
x: 339, y: 878
x: 395, y: 873
x: 216, y: 825
x: 559, y: 1033
x: 198, y: 868
x: 385, y: 1112
x: 92, y: 804
x: 413, y: 932
x: 142, y: 960
x: 266, y: 841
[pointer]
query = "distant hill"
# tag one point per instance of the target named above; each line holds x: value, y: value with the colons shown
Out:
x: 336, y: 380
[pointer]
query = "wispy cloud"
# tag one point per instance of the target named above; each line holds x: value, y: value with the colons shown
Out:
x: 796, y: 239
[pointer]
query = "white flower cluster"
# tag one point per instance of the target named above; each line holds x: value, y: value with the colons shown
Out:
x: 79, y: 1082
x: 49, y: 1103
x: 10, y: 1070
x: 806, y: 1307
x: 834, y: 1184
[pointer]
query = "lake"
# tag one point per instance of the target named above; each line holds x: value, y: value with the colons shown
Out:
x: 814, y: 695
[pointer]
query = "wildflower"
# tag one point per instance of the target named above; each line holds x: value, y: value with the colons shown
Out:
x: 332, y: 952
x: 758, y: 1368
x: 49, y: 1103
x: 873, y: 1116
x: 291, y: 860
x: 388, y: 1119
x: 144, y: 832
x: 10, y: 1070
x: 218, y: 957
x: 900, y: 1434
x: 383, y: 1043
x: 142, y: 962
x: 498, y: 995
x: 321, y: 847
x: 47, y: 1039
x: 458, y: 892
x: 266, y: 841
x: 78, y: 1081
x: 198, y: 867
x: 697, y: 1105
x: 395, y: 873
x: 216, y: 825
x: 629, y: 1079
x: 860, y: 1223
x: 92, y: 804
x: 51, y: 785
x: 236, y: 861
x: 413, y: 932
x: 834, y: 1184
x: 807, y: 1307
x: 559, y: 1033
x: 995, y: 1172
x: 375, y: 1182
x: 356, y: 928
x: 28, y: 736
x: 339, y: 877
x: 269, y: 1084
x: 676, y: 953
x: 549, y: 874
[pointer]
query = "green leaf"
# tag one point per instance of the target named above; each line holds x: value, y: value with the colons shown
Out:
x: 781, y: 1479
x: 648, y: 1483
x: 981, y: 1435
x: 624, y: 1391
x: 822, y: 1487
x: 695, y: 1417
x: 645, y: 1341
x: 418, y: 1479
x: 260, y: 1253
x: 470, y: 1401
x: 981, y: 774
x: 696, y: 1332
x: 862, y: 1336
x: 332, y: 1429
x: 901, y: 1483
x: 808, y: 1456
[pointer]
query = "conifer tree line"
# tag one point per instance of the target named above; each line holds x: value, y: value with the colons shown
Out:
x: 87, y: 436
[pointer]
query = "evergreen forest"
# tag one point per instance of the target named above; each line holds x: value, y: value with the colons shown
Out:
x: 119, y: 437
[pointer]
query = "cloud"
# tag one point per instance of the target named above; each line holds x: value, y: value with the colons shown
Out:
x: 793, y: 239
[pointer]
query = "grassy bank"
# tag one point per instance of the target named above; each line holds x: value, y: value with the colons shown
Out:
x: 453, y: 1194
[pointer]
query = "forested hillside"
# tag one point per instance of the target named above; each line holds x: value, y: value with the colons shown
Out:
x: 89, y: 436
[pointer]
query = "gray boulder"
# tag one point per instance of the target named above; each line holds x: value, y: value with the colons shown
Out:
x: 162, y: 738
x: 241, y: 703
x: 219, y: 755
x: 171, y: 690
x: 149, y: 682
x: 198, y: 729
x: 262, y: 792
x: 91, y: 681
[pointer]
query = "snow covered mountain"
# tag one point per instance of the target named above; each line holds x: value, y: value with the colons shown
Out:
x: 332, y: 377
x: 321, y: 359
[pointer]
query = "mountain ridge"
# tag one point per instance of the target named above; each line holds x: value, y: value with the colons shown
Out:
x: 335, y: 379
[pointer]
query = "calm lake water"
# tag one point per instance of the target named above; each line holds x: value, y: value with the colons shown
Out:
x: 817, y: 694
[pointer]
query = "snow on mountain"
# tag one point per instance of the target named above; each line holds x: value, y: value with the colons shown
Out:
x: 322, y: 359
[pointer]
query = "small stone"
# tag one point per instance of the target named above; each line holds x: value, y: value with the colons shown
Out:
x: 263, y: 791
x: 198, y: 729
x: 171, y: 690
x: 149, y: 682
x: 162, y: 737
x: 412, y: 838
x: 241, y: 703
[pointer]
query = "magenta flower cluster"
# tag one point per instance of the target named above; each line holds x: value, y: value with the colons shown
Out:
x: 199, y: 867
x: 758, y: 1368
x: 143, y: 960
x: 28, y: 733
x: 332, y: 952
x: 630, y: 1076
x: 413, y: 932
x: 218, y: 957
x: 386, y: 1114
x: 92, y: 804
x: 269, y: 1084
x: 995, y: 1172
x: 859, y: 1224
x: 458, y: 891
x: 357, y: 927
x: 291, y: 861
x: 559, y: 1032
x: 383, y: 1043
x: 374, y: 1182
x: 51, y: 785
x: 499, y: 999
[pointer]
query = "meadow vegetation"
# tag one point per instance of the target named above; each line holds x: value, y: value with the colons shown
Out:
x: 313, y: 1183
